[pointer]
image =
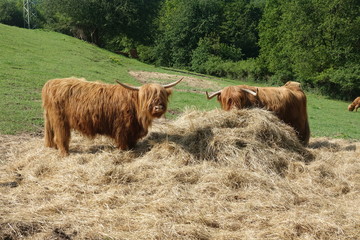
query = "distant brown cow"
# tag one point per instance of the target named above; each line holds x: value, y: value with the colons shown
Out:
x: 121, y: 112
x: 287, y: 102
x: 354, y: 105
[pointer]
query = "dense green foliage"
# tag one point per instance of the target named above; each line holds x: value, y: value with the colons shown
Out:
x: 200, y: 34
x: 112, y: 24
x: 315, y: 42
x: 11, y: 12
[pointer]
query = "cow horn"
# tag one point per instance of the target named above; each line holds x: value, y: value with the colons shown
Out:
x: 127, y: 86
x: 213, y: 94
x: 172, y: 84
x: 249, y: 91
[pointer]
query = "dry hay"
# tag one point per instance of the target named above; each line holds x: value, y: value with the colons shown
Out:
x: 205, y: 175
x: 154, y: 77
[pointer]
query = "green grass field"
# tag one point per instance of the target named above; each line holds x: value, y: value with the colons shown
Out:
x: 28, y: 58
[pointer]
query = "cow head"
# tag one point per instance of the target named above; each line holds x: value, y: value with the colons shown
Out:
x: 152, y: 98
x: 351, y: 107
x: 234, y: 97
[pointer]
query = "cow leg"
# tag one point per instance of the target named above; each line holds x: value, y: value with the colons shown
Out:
x: 121, y: 141
x: 356, y: 107
x: 122, y: 145
x: 49, y: 134
x: 62, y: 138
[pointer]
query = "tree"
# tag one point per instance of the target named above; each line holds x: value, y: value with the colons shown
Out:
x: 307, y: 40
x: 182, y: 24
x: 103, y: 22
x: 11, y: 12
x: 239, y: 28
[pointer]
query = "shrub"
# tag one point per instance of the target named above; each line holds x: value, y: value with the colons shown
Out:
x: 247, y: 69
x: 281, y: 77
x: 120, y: 43
x: 342, y: 83
x: 210, y: 52
x: 200, y: 56
x: 146, y: 54
x: 215, y: 66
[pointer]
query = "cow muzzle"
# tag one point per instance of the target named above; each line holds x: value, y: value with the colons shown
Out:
x: 159, y: 108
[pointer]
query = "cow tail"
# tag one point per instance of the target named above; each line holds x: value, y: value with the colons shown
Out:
x: 306, y: 133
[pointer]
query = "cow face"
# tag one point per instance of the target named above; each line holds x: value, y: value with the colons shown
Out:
x: 351, y: 107
x: 237, y: 97
x: 153, y: 99
x: 234, y: 97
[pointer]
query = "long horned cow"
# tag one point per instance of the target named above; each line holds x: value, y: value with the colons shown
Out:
x: 287, y: 102
x: 119, y: 111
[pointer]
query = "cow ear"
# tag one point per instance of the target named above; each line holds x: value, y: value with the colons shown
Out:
x: 168, y: 91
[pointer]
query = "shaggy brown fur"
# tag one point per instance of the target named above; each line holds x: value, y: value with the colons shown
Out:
x: 354, y: 105
x: 96, y: 108
x: 287, y: 102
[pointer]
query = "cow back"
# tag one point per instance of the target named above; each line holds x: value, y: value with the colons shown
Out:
x: 89, y: 107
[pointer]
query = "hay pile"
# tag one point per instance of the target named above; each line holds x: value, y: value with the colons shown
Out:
x: 205, y: 175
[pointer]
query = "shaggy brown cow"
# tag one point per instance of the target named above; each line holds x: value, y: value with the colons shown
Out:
x: 287, y: 102
x: 354, y: 105
x: 121, y: 112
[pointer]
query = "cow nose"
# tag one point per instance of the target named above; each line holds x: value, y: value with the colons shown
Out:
x: 159, y: 108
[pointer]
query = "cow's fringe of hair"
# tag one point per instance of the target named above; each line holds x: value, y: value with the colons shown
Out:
x: 146, y: 96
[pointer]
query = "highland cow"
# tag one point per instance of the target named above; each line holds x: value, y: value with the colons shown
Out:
x: 119, y: 111
x: 287, y: 102
x: 354, y: 105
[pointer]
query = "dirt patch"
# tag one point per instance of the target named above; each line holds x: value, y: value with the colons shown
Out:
x: 197, y: 84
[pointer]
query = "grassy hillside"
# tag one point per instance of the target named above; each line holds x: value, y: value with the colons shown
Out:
x: 28, y: 58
